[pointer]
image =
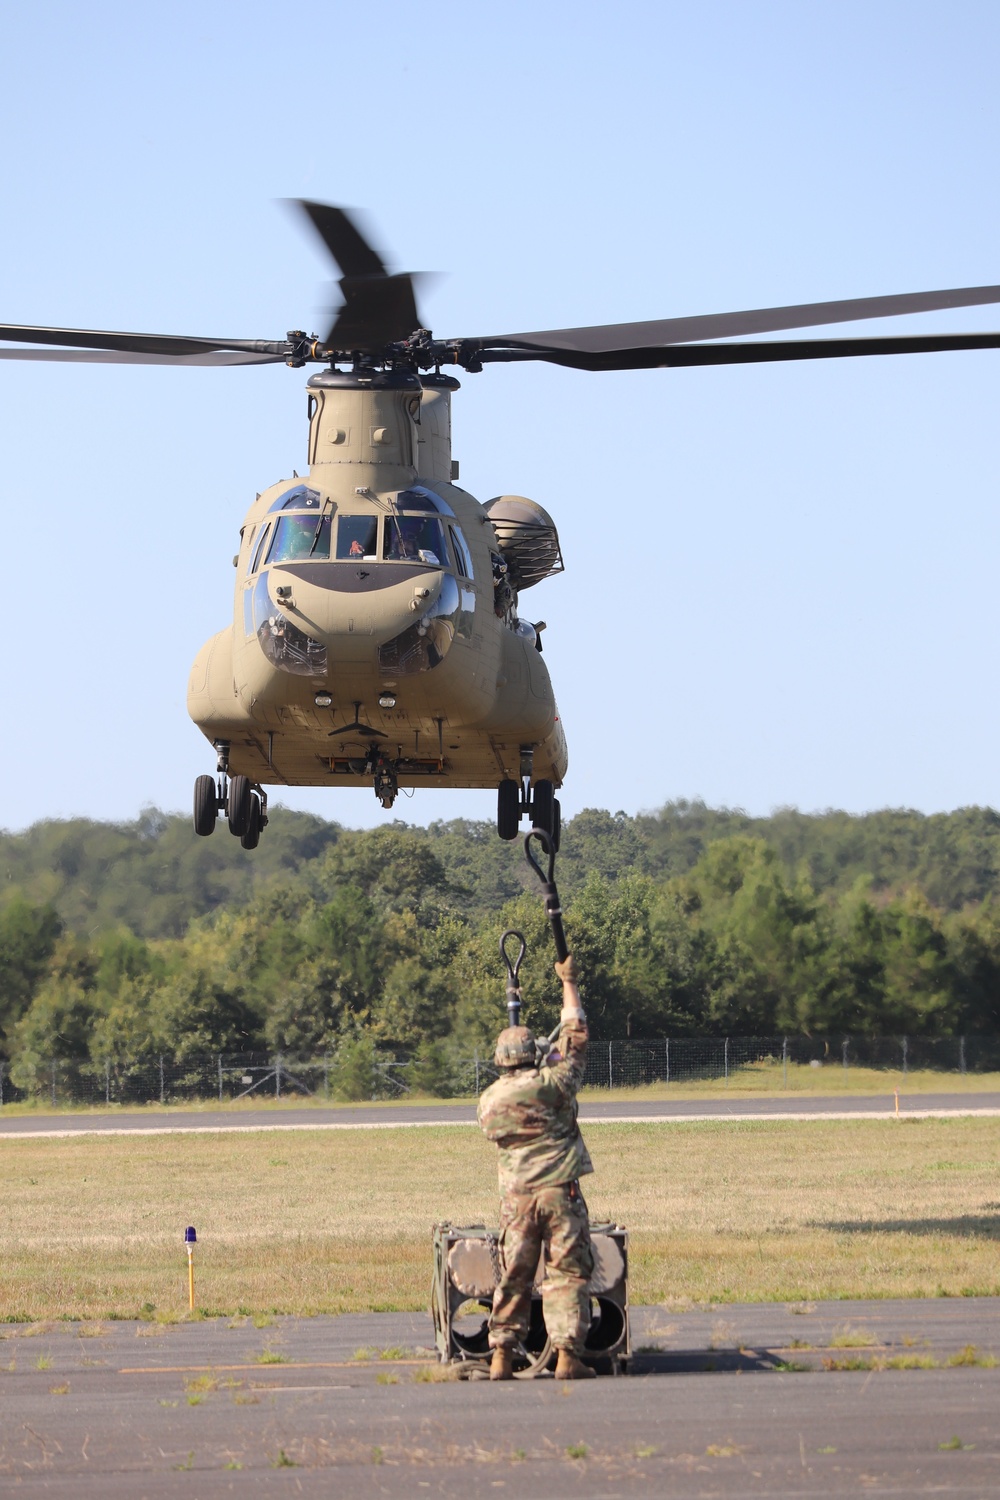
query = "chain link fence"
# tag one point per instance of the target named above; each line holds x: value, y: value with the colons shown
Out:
x: 361, y: 1071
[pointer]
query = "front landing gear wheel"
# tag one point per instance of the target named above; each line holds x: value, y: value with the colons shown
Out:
x: 251, y: 838
x: 238, y: 805
x: 543, y: 803
x: 206, y: 805
x: 508, y: 809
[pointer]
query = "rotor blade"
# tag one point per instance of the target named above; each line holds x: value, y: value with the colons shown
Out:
x: 379, y: 308
x: 614, y: 337
x: 675, y: 356
x: 343, y: 239
x: 111, y: 357
x: 136, y: 343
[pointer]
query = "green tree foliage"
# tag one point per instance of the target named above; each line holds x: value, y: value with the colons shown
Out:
x: 28, y: 936
x: 118, y: 942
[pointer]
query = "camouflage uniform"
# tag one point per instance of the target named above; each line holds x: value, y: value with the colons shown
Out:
x: 531, y: 1115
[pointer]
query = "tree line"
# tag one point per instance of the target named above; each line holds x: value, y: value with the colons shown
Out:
x: 121, y: 942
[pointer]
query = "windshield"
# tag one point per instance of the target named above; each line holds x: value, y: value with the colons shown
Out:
x: 415, y: 539
x: 300, y: 498
x: 419, y: 497
x: 297, y: 538
x: 357, y: 536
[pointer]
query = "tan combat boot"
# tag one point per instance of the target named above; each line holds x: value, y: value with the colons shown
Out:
x: 568, y: 1367
x: 502, y: 1364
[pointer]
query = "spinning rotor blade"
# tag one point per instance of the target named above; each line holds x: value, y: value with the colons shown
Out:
x: 675, y: 356
x: 379, y: 309
x: 111, y: 357
x: 622, y: 338
x: 171, y: 345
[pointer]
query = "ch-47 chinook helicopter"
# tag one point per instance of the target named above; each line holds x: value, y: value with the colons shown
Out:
x: 377, y: 630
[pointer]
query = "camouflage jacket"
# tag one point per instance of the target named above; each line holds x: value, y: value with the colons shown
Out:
x: 531, y: 1115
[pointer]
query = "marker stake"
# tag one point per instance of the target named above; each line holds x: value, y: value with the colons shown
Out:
x: 190, y: 1240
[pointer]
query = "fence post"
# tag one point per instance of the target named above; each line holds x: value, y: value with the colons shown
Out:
x: 475, y: 1055
x: 961, y: 1063
x: 163, y: 1092
x: 784, y: 1062
x: 53, y: 1082
x: 906, y: 1048
x: 1, y: 1083
x: 326, y: 1075
x: 666, y: 1049
x: 611, y: 1082
x: 277, y: 1076
x: 219, y: 1060
x: 844, y: 1049
x: 107, y: 1080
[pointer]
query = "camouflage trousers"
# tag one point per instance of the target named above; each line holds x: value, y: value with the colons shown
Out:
x: 557, y: 1218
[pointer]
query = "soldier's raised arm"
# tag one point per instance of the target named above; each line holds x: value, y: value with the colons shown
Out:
x: 573, y: 1032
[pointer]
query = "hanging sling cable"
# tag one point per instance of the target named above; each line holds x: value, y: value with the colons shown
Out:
x: 513, y: 968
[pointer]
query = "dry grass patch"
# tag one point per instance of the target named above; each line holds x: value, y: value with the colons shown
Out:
x: 91, y: 1227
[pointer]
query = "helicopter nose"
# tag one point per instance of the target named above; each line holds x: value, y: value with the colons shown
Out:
x: 335, y: 603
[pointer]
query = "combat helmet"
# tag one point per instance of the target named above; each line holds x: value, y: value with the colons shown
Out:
x: 515, y: 1048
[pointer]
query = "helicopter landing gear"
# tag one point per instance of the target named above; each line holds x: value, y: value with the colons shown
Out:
x: 545, y: 810
x: 238, y: 805
x: 243, y: 802
x: 251, y: 838
x: 508, y: 809
x: 206, y: 805
x: 539, y: 802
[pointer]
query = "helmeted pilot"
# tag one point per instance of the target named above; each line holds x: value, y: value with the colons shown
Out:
x: 530, y: 1112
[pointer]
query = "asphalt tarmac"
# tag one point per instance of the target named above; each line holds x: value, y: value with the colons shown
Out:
x: 753, y: 1400
x: 373, y: 1116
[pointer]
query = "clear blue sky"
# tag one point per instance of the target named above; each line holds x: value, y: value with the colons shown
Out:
x: 781, y: 581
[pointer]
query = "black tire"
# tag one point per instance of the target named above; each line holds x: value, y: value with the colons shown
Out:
x: 238, y: 805
x: 508, y: 809
x: 251, y: 838
x: 206, y: 805
x: 556, y: 823
x: 542, y: 803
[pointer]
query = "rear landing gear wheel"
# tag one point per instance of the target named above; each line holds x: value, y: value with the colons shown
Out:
x: 556, y: 823
x: 251, y: 838
x: 543, y: 806
x: 508, y: 809
x: 206, y: 805
x: 238, y: 805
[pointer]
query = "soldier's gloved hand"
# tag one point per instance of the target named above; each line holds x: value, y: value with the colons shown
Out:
x: 568, y: 971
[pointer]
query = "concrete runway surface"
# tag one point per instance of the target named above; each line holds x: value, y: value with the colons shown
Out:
x: 126, y: 1411
x: 375, y: 1116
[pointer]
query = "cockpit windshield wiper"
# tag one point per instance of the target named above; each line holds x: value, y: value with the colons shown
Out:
x: 327, y: 505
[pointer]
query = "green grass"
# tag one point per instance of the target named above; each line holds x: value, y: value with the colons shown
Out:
x: 92, y: 1226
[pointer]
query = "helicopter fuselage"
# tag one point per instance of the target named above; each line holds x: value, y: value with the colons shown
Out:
x: 375, y: 635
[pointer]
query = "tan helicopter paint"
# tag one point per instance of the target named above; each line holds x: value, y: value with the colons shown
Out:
x: 462, y: 723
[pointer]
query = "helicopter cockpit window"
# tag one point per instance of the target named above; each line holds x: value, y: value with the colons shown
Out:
x: 415, y: 539
x: 463, y: 557
x: 357, y: 537
x: 299, y: 538
x: 265, y: 532
x: 301, y: 498
x: 419, y: 497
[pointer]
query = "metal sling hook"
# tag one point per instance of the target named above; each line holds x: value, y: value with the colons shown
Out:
x: 552, y: 908
x: 513, y: 988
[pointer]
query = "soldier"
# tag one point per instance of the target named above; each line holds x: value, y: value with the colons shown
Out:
x: 530, y: 1112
